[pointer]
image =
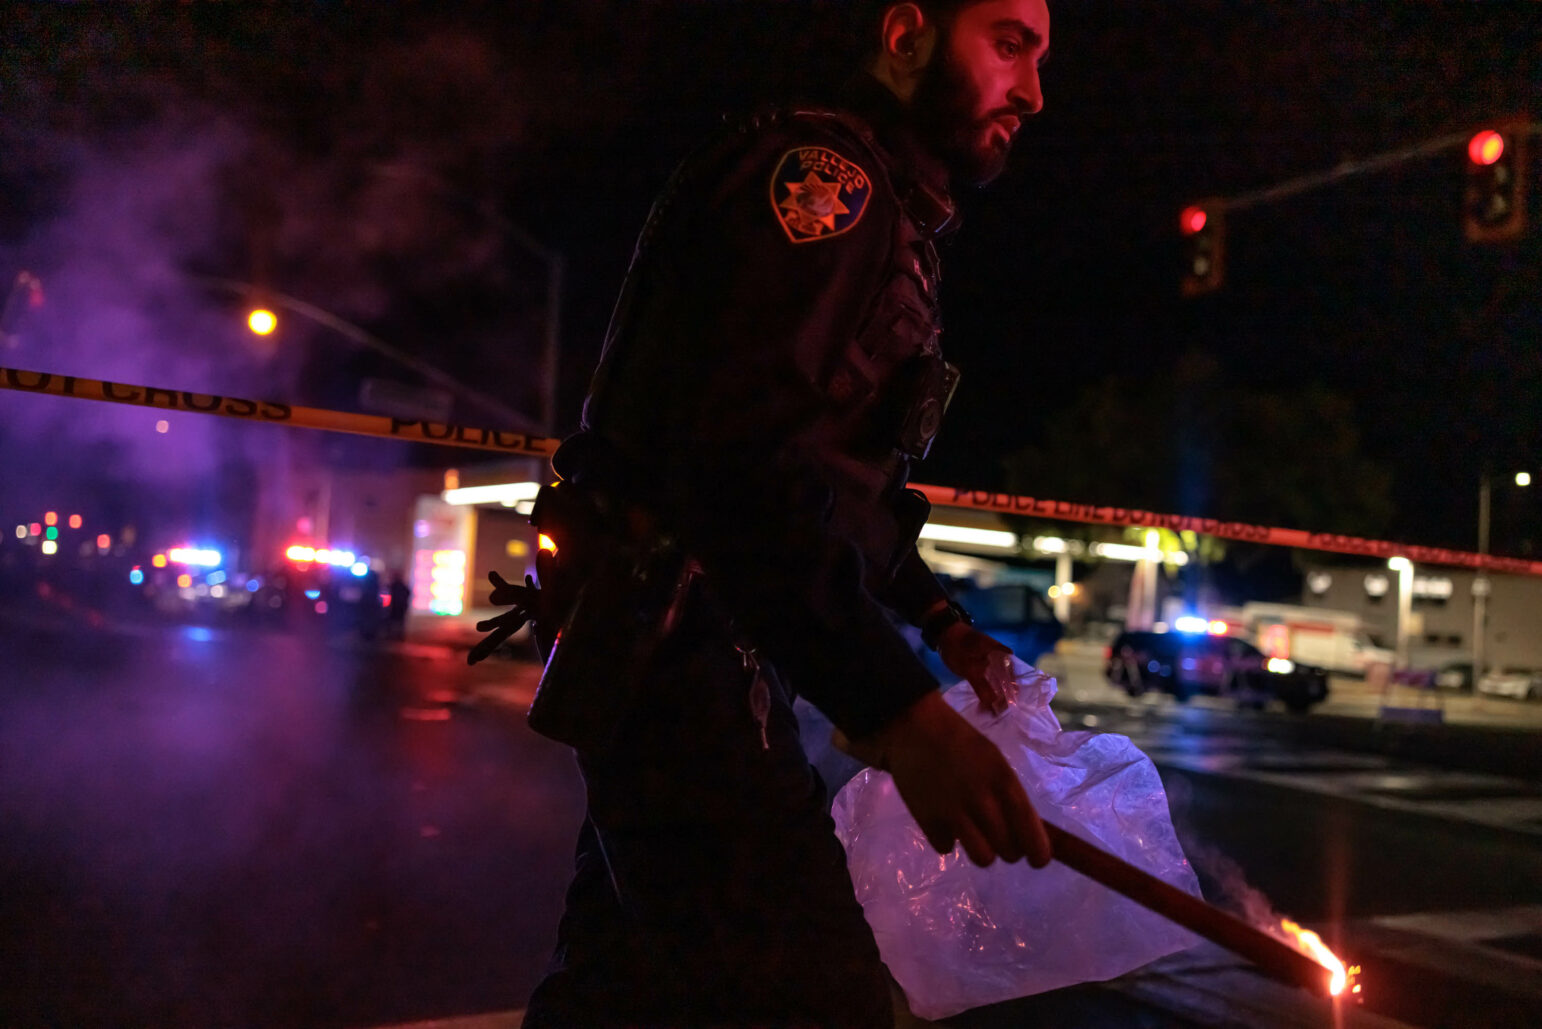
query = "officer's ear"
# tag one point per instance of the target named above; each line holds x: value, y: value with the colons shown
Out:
x: 907, y: 41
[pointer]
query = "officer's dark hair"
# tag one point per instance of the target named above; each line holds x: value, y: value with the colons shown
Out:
x: 867, y: 16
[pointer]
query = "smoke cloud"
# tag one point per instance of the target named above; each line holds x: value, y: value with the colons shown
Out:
x: 359, y: 168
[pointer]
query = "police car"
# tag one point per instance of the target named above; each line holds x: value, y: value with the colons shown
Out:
x: 1214, y: 663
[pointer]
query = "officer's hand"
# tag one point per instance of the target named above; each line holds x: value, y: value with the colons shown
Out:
x: 984, y: 662
x: 956, y: 784
x: 524, y: 600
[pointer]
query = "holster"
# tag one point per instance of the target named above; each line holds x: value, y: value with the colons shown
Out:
x: 611, y: 592
x: 911, y: 510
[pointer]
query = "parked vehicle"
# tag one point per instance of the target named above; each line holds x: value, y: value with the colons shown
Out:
x: 1455, y: 675
x: 1334, y: 640
x: 1186, y: 664
x: 1520, y: 683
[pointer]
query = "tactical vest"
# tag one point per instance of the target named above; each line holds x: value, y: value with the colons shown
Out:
x: 888, y: 387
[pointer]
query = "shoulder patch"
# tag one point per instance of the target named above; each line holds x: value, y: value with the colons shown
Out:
x: 816, y: 193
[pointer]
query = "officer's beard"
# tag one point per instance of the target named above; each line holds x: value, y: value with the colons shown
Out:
x: 943, y: 108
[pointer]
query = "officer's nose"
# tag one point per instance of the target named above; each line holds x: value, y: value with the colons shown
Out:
x: 1026, y: 94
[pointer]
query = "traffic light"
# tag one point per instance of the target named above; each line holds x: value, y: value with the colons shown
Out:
x: 1203, y: 225
x: 1494, y: 203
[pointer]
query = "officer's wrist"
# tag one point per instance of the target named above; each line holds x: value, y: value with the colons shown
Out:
x: 940, y: 619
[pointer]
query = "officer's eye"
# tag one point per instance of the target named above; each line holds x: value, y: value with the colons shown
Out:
x: 1009, y: 48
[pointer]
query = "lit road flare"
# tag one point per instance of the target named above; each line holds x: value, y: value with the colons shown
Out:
x: 1310, y: 944
x: 1298, y: 957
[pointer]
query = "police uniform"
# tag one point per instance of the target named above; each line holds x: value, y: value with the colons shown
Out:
x: 771, y: 370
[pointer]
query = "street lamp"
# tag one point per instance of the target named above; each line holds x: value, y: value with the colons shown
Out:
x: 1480, y: 586
x: 510, y: 418
x: 262, y: 321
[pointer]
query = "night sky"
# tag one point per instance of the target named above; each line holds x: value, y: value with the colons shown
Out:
x: 374, y: 159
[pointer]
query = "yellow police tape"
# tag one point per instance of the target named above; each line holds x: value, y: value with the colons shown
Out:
x: 457, y: 435
x: 447, y: 433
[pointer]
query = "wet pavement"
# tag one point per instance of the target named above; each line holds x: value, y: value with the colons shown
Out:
x: 207, y: 826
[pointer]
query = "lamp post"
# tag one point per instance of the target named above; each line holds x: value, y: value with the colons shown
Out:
x: 1481, y: 586
x: 1405, y: 576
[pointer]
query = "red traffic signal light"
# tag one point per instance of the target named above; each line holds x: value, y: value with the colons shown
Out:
x: 1486, y: 147
x: 1203, y: 225
x: 1494, y: 200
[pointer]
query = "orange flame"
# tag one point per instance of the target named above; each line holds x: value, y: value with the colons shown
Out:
x: 1310, y: 944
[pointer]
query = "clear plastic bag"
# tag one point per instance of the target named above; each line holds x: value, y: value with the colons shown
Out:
x: 956, y: 936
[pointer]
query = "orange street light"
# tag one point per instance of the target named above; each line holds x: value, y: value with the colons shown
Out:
x: 262, y: 321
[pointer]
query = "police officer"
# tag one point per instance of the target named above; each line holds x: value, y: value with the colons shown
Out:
x: 772, y: 369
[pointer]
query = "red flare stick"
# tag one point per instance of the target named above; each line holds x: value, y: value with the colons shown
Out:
x: 1268, y: 952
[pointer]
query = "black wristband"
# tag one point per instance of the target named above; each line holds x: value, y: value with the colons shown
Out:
x: 941, y: 620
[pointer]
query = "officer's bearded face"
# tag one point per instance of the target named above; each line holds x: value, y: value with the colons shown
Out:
x: 982, y: 83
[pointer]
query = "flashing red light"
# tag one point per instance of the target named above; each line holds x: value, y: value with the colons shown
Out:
x: 1192, y: 219
x: 74, y: 521
x: 103, y: 541
x: 1486, y: 147
x: 34, y: 529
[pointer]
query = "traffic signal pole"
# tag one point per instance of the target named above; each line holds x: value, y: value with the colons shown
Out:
x: 1517, y: 130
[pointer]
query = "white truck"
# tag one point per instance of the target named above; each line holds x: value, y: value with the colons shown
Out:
x: 1335, y: 640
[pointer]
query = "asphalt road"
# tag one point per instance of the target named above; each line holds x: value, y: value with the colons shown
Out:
x: 210, y: 827
x: 215, y: 828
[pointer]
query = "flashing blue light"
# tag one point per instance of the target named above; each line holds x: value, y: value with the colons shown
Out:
x: 198, y: 633
x: 1192, y: 624
x: 312, y: 594
x: 359, y: 569
x: 215, y: 578
x: 253, y: 585
x: 136, y: 577
x: 206, y: 558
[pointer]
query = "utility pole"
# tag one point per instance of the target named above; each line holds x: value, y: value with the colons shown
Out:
x: 1405, y: 577
x: 1480, y: 584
